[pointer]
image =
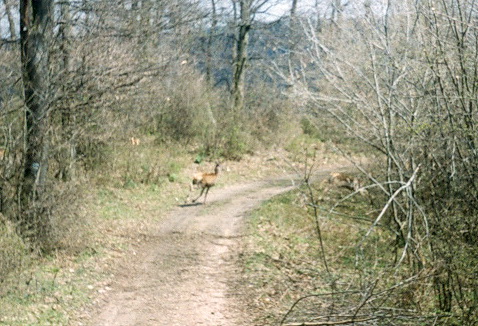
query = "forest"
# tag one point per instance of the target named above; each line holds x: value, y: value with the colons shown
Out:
x: 390, y: 86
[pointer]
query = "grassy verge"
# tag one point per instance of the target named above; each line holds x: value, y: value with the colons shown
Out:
x: 54, y: 290
x: 115, y: 212
x: 291, y: 282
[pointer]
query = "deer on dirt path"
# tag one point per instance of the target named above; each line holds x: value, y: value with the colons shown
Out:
x: 205, y: 181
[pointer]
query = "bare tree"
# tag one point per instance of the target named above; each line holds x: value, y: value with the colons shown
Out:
x: 35, y: 33
x: 248, y: 10
x: 9, y: 10
x: 337, y: 8
x: 67, y: 157
x: 209, y: 49
x: 240, y: 59
x: 293, y: 26
x: 402, y: 81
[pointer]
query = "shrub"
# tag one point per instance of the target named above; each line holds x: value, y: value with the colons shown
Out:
x: 13, y: 251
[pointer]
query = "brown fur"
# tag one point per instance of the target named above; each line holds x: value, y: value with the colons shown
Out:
x: 205, y: 181
x: 135, y: 141
x: 342, y: 180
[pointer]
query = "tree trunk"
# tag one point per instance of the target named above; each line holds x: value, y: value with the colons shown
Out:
x: 210, y: 39
x: 35, y: 22
x: 11, y: 21
x: 318, y: 23
x: 68, y: 153
x: 240, y: 61
x: 337, y: 10
x: 293, y: 29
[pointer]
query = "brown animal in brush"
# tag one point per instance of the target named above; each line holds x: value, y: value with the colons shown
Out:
x: 342, y: 180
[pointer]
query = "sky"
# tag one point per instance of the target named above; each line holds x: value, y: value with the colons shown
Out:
x: 276, y: 9
x: 279, y: 8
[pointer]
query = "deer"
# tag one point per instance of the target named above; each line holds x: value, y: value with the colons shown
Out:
x: 205, y: 181
x: 135, y: 141
x: 342, y: 180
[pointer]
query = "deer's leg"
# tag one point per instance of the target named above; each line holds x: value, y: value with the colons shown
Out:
x: 205, y: 196
x: 202, y: 190
x: 191, y: 188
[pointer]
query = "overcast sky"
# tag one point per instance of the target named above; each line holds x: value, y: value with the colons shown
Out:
x: 276, y: 9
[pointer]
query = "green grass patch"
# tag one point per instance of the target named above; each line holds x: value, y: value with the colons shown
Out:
x: 45, y: 294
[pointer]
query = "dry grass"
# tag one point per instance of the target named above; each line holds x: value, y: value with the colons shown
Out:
x: 105, y: 220
x: 284, y: 264
x: 13, y: 252
x: 101, y: 223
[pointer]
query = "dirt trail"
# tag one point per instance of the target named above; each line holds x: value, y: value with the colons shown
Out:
x: 185, y: 274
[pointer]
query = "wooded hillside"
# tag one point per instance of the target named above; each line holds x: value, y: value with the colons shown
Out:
x: 397, y: 80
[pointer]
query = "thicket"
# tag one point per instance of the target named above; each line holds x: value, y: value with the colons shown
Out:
x: 409, y: 94
x: 401, y: 79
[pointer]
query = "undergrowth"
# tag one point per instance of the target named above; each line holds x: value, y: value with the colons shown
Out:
x: 114, y: 213
x: 56, y: 289
x: 355, y: 283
